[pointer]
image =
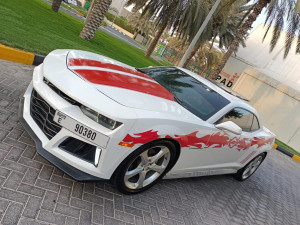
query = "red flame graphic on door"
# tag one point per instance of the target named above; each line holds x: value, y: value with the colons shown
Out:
x: 216, y: 140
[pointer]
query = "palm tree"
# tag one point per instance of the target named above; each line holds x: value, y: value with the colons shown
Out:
x: 167, y: 13
x: 96, y: 16
x: 223, y: 25
x: 144, y: 25
x: 55, y: 5
x: 278, y: 14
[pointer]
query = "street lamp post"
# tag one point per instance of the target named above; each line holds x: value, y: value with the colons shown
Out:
x: 200, y: 31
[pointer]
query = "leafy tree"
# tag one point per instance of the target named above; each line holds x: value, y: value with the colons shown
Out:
x: 142, y: 25
x: 55, y: 5
x: 165, y: 13
x: 207, y: 56
x: 95, y: 18
x: 222, y: 27
x: 280, y: 13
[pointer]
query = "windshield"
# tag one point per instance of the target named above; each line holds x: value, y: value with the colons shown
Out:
x: 189, y: 92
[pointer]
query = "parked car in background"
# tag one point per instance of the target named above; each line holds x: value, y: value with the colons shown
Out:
x: 74, y: 2
x: 96, y: 118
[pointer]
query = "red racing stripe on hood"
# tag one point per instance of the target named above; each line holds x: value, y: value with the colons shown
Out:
x: 94, y: 63
x: 126, y: 82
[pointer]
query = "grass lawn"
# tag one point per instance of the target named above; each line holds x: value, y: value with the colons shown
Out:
x: 286, y: 147
x: 33, y: 26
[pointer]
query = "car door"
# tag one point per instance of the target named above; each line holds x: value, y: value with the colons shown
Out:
x: 227, y: 147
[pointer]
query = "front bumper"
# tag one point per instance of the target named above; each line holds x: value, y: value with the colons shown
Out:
x: 66, y: 168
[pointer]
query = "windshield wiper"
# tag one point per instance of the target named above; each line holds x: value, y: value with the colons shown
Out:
x: 178, y: 100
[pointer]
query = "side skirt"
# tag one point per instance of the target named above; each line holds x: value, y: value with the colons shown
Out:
x: 200, y: 173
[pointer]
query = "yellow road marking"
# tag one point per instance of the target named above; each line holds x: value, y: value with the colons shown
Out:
x: 16, y: 55
x: 297, y: 158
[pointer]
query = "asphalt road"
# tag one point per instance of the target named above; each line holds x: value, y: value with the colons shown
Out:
x: 34, y: 192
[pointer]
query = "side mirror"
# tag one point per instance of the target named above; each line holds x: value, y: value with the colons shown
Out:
x: 230, y: 126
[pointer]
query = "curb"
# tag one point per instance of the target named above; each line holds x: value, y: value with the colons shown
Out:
x: 15, y: 55
x: 282, y: 150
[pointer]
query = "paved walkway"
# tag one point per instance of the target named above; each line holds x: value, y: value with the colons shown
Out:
x: 34, y: 192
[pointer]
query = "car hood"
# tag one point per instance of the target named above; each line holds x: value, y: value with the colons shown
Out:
x: 121, y: 83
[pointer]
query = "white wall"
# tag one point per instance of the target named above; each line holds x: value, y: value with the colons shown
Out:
x: 278, y: 105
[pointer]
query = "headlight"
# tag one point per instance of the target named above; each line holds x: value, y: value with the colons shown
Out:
x: 103, y: 120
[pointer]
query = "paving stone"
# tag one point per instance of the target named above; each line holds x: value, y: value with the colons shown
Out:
x: 133, y: 211
x: 128, y: 218
x: 3, y: 204
x: 108, y: 208
x: 49, y: 201
x: 30, y: 163
x: 32, y: 208
x: 61, y: 181
x: 67, y: 210
x: 47, y: 185
x: 4, y: 172
x: 93, y: 198
x: 30, y: 176
x: 53, y: 218
x: 29, y: 152
x: 46, y: 172
x: 3, y: 154
x: 77, y: 190
x: 13, y: 195
x: 103, y: 193
x: 27, y: 221
x: 64, y: 195
x: 85, y: 218
x: 31, y: 190
x: 15, y: 143
x: 112, y: 221
x: 13, y: 180
x: 71, y: 221
x: 98, y: 214
x: 14, y: 154
x: 13, y: 166
x: 12, y: 214
x: 78, y: 203
x: 5, y: 147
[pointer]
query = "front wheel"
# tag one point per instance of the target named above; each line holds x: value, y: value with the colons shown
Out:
x: 250, y: 168
x: 144, y: 167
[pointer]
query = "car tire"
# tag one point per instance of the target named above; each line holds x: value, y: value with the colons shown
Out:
x: 248, y: 170
x: 144, y: 167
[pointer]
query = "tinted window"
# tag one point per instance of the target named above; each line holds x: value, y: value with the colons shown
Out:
x: 189, y: 92
x: 255, y: 124
x: 241, y: 117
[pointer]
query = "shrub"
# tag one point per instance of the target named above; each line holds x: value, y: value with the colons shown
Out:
x: 103, y: 23
x: 121, y: 23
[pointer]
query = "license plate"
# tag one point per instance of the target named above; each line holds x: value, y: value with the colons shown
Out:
x: 80, y: 129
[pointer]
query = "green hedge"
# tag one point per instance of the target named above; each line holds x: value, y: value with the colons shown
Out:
x: 120, y: 22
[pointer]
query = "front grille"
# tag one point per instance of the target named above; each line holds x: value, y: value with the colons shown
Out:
x: 43, y: 114
x: 60, y: 93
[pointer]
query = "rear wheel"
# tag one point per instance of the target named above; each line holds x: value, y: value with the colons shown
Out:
x: 144, y: 167
x: 250, y: 168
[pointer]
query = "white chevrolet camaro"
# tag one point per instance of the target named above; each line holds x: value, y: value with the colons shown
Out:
x: 98, y: 119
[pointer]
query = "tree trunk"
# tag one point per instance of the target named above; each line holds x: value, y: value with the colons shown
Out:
x: 55, y: 5
x: 156, y: 38
x: 88, y: 15
x: 191, y: 55
x: 242, y: 32
x: 96, y: 17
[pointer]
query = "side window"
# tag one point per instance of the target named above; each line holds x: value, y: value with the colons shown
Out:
x: 255, y: 124
x: 241, y: 117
